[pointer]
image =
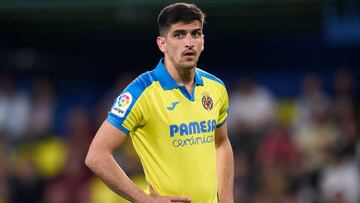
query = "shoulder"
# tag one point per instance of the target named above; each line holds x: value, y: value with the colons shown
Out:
x: 209, y: 76
x: 131, y: 95
x: 140, y: 84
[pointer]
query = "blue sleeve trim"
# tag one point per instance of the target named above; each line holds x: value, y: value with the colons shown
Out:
x: 221, y: 124
x: 115, y: 122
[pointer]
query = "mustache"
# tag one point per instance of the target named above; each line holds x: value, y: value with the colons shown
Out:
x: 189, y: 51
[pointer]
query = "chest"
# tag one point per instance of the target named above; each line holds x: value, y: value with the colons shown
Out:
x: 174, y: 107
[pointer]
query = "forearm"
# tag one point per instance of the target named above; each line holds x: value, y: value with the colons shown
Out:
x: 225, y: 171
x: 106, y: 168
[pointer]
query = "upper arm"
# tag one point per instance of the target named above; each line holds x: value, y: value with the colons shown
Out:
x: 106, y: 140
x: 221, y: 134
x: 125, y: 115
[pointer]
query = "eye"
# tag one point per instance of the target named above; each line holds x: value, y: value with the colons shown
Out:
x: 178, y: 35
x: 197, y: 34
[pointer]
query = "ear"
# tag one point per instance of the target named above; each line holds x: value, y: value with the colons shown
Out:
x: 161, y: 44
x: 203, y: 43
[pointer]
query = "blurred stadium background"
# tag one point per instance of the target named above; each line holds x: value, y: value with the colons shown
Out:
x: 291, y: 68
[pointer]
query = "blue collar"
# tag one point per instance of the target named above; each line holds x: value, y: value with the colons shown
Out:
x: 167, y: 82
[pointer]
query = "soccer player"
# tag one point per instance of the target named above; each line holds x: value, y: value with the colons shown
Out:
x: 176, y: 117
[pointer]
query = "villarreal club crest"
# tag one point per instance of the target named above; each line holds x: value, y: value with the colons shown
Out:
x: 206, y: 101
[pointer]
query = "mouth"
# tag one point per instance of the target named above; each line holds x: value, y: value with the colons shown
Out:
x: 189, y: 53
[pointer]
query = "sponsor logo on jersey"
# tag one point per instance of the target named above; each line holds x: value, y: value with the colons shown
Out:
x: 173, y: 105
x: 193, y: 128
x: 122, y: 104
x: 193, y: 133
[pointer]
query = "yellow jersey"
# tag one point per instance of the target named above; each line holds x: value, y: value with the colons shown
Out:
x: 173, y: 132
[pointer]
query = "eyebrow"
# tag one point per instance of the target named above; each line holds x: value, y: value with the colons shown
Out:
x: 185, y: 31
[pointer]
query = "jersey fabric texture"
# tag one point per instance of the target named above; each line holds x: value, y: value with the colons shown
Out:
x: 173, y: 132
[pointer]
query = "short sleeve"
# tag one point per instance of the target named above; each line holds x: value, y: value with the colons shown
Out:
x: 224, y: 100
x: 128, y: 109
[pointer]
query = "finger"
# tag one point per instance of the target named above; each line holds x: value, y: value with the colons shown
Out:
x: 179, y: 199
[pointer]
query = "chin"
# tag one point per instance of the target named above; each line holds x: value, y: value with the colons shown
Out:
x: 188, y: 64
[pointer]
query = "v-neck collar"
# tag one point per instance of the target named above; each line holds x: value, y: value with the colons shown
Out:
x: 167, y: 82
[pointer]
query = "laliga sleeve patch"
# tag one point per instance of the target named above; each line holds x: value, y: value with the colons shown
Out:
x: 122, y: 104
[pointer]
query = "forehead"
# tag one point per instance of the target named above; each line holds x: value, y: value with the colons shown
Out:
x: 194, y: 25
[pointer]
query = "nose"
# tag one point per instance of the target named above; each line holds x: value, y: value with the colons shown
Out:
x: 189, y: 41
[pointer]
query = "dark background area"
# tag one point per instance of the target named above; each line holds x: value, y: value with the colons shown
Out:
x: 97, y: 41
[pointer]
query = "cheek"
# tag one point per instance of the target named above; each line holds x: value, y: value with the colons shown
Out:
x: 201, y: 45
x: 171, y: 47
x: 175, y: 50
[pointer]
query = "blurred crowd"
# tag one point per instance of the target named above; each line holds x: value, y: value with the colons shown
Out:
x: 302, y: 149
